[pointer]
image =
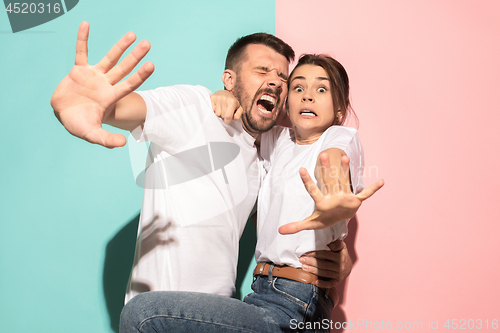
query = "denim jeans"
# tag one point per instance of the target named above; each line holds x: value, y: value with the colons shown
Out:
x: 276, y: 305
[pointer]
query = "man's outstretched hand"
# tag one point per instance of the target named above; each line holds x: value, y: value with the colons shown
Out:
x: 335, y: 201
x: 88, y: 94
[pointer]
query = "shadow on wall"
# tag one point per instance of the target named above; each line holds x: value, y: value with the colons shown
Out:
x: 248, y: 241
x: 117, y: 266
x: 120, y: 258
x: 338, y: 314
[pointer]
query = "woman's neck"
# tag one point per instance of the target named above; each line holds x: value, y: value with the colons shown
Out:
x: 304, y: 137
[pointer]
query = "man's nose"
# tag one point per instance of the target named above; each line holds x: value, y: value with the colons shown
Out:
x: 274, y: 80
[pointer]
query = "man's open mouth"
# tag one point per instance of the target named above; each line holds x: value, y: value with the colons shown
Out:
x: 266, y: 104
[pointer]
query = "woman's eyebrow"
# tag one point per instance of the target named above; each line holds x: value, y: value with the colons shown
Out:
x: 298, y: 78
x: 319, y: 78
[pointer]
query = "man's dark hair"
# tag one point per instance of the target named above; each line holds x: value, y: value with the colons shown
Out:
x: 237, y: 50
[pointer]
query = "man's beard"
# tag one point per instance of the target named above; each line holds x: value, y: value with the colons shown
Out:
x: 251, y: 124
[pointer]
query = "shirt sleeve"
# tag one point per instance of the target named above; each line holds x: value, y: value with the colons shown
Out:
x: 174, y: 115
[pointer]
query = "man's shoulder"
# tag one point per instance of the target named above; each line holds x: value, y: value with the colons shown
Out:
x: 180, y: 91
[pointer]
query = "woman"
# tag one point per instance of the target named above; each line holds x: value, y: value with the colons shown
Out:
x: 284, y: 297
x: 318, y: 103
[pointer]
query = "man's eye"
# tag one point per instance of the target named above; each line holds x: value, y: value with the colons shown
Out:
x: 298, y: 89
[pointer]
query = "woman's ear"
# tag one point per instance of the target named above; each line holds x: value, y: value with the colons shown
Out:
x: 229, y: 78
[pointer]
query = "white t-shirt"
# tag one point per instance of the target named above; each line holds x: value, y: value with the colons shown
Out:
x: 200, y: 186
x: 284, y: 199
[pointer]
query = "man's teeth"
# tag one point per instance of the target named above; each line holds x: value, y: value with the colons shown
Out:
x: 268, y: 98
x: 264, y: 110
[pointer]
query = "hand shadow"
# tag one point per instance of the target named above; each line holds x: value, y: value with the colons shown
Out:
x: 117, y: 266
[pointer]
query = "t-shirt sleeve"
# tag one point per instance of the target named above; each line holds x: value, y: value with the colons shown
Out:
x: 347, y: 139
x: 174, y: 115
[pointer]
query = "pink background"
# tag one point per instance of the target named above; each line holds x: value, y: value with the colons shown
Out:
x: 425, y: 83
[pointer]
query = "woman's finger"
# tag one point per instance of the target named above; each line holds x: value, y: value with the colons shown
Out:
x: 368, y: 192
x: 238, y: 113
x: 307, y: 224
x: 310, y: 186
x: 344, y: 175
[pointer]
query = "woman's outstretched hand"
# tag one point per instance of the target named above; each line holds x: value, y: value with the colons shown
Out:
x: 335, y: 201
x: 89, y: 93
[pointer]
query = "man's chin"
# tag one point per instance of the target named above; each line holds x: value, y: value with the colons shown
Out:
x: 263, y: 125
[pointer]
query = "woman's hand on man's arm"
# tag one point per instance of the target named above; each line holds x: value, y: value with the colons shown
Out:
x: 226, y: 106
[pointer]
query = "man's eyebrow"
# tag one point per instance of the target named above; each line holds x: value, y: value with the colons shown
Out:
x: 283, y: 76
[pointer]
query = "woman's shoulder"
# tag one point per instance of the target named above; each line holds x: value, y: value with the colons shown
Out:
x: 340, y: 133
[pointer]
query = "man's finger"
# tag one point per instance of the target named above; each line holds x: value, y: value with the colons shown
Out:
x: 326, y: 260
x: 135, y: 80
x: 321, y: 254
x: 326, y: 284
x: 336, y: 246
x: 81, y: 44
x: 115, y: 53
x: 104, y: 138
x: 128, y: 64
x: 323, y: 273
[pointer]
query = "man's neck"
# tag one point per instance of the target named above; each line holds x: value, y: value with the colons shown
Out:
x: 254, y: 135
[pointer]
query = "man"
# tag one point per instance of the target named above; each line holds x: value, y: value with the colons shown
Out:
x: 202, y: 175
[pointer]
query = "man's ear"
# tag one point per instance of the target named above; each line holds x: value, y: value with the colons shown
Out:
x: 229, y: 78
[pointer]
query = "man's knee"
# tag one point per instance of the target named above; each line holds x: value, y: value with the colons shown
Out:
x: 133, y: 314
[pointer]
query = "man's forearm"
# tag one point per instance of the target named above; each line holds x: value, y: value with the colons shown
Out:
x: 128, y: 113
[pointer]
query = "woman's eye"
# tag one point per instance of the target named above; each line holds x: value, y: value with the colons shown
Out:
x: 321, y: 90
x: 299, y: 89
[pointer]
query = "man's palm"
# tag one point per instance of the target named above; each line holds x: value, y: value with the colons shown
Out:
x: 88, y: 93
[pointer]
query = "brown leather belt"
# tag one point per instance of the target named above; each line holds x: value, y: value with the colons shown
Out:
x: 286, y: 272
x: 295, y: 274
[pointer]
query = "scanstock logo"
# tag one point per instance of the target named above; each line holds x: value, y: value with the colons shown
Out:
x: 26, y: 15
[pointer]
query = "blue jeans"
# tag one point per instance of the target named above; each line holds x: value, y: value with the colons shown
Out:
x: 276, y: 305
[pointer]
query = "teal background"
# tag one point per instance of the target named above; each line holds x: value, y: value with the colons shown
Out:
x: 69, y: 209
